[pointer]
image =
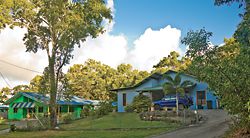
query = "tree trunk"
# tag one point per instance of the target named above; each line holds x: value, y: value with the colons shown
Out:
x: 177, y: 104
x: 53, y: 89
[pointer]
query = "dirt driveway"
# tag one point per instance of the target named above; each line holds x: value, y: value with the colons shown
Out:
x: 215, y: 126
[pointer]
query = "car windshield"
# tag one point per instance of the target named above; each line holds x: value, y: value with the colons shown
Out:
x: 173, y: 97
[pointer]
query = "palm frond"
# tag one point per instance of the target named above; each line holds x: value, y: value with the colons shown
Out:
x: 186, y: 83
x: 180, y: 91
x: 169, y: 78
x: 168, y: 88
x: 177, y: 79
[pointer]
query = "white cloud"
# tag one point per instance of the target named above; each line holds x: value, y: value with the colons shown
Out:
x: 13, y: 50
x: 153, y: 45
x: 110, y: 49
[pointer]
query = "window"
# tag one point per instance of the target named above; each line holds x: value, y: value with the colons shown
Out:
x: 201, y: 97
x: 31, y: 110
x: 15, y: 110
x: 40, y: 109
x: 71, y: 109
x: 124, y: 100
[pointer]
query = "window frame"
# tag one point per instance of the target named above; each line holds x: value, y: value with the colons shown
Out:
x: 15, y: 110
x: 124, y: 99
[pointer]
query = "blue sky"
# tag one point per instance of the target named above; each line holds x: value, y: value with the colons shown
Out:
x: 132, y: 17
x: 141, y: 34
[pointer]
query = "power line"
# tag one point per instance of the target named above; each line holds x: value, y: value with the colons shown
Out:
x: 19, y: 66
x: 5, y: 79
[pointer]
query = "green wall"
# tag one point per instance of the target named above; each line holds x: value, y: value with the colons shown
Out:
x: 22, y: 112
x: 77, y: 110
x: 19, y: 114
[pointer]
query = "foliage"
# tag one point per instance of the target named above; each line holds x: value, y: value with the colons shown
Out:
x: 226, y: 70
x: 228, y: 2
x: 197, y: 41
x: 56, y: 26
x: 172, y: 62
x: 13, y: 128
x: 140, y: 103
x: 86, y: 110
x: 175, y: 85
x: 104, y: 109
x: 129, y: 108
x: 20, y: 88
x: 3, y: 94
x: 67, y: 118
x: 93, y: 80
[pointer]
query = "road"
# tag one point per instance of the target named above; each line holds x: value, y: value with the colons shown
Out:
x: 213, y: 127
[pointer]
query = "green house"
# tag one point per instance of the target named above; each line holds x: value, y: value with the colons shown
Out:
x: 30, y: 105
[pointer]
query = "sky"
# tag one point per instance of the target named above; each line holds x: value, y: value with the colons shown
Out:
x: 141, y: 33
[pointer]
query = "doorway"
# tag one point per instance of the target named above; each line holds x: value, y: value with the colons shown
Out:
x: 201, y: 99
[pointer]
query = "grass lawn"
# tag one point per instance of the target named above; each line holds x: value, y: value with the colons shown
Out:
x: 3, y: 126
x: 88, y: 128
x: 116, y: 120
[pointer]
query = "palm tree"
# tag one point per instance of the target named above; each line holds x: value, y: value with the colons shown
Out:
x: 176, y: 86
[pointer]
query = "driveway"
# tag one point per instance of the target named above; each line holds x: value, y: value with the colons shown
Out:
x: 215, y: 126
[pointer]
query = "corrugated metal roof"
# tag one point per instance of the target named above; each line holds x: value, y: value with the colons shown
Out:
x: 45, y: 100
x: 153, y: 76
x: 151, y: 88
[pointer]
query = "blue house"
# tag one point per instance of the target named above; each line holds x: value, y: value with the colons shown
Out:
x: 203, y: 97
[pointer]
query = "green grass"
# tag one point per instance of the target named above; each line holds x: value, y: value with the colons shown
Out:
x: 85, y: 134
x: 3, y: 126
x: 95, y: 128
x: 116, y: 120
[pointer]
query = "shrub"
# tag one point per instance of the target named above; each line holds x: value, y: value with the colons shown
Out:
x: 86, y: 110
x: 141, y: 103
x: 104, y: 109
x: 129, y: 108
x: 67, y: 118
x: 13, y: 128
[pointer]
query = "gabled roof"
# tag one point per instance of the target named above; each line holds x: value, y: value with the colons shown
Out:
x: 32, y: 95
x: 153, y: 76
x: 169, y: 71
x: 45, y: 100
x: 151, y: 88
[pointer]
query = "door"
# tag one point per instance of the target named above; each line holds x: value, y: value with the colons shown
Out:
x: 201, y: 99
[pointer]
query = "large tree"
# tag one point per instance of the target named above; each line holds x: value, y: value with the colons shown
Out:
x: 56, y: 26
x: 172, y: 62
x: 3, y: 94
x: 226, y: 70
x: 94, y: 80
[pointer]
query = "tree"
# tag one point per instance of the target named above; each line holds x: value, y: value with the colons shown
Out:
x: 56, y: 26
x: 198, y: 42
x: 94, y: 80
x: 140, y: 103
x: 3, y: 94
x: 172, y: 62
x: 175, y: 86
x: 226, y: 69
x: 126, y: 76
x: 35, y: 83
x: 20, y: 88
x: 91, y: 80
